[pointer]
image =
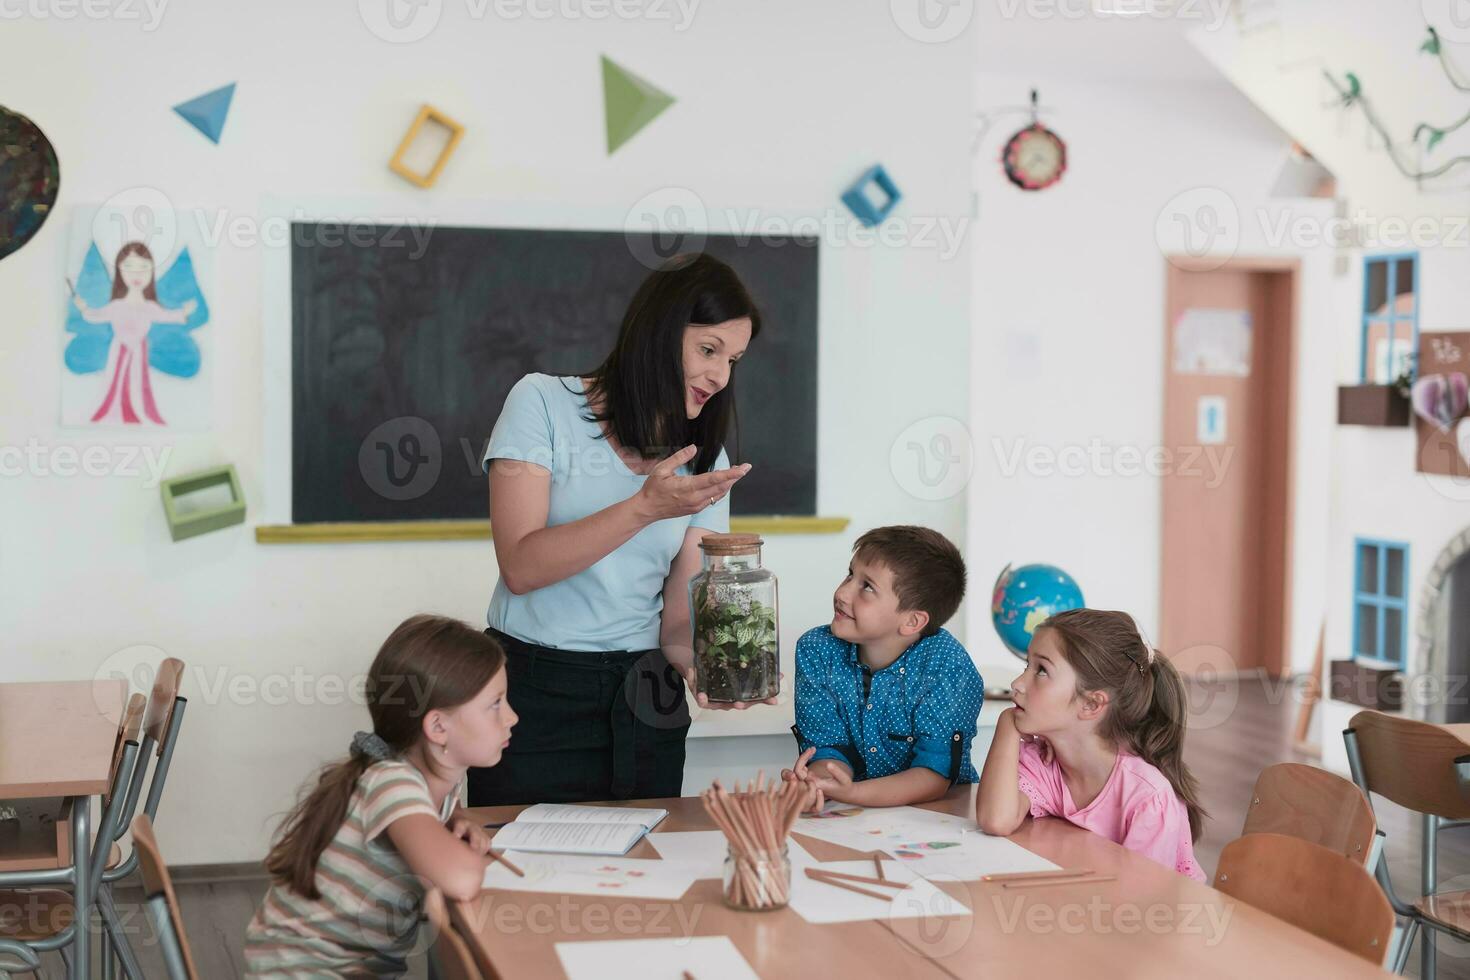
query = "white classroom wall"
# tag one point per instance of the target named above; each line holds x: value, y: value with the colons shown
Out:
x: 1068, y: 356
x: 779, y: 106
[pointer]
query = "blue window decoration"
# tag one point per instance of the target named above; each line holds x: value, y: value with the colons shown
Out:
x: 1380, y: 600
x: 871, y: 211
x: 1390, y: 317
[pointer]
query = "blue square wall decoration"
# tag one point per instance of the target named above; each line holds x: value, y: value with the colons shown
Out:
x: 871, y: 211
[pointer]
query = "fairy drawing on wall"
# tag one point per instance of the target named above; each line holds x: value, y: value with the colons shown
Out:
x: 130, y: 323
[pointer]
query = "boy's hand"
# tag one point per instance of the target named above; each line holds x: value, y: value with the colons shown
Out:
x: 801, y: 772
x: 833, y: 781
x: 824, y: 767
x: 798, y: 770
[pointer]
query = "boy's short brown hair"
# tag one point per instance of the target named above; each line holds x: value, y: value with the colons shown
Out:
x: 928, y: 572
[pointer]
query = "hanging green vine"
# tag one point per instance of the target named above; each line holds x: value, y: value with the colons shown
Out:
x: 1433, y: 46
x: 1350, y: 93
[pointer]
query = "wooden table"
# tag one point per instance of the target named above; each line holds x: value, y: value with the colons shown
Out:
x: 56, y: 739
x: 1150, y: 922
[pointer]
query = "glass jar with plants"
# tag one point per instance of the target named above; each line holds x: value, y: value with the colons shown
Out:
x: 733, y: 609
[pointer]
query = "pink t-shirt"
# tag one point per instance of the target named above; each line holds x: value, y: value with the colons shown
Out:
x: 1136, y: 808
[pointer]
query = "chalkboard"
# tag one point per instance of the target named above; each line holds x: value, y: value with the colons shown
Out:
x: 403, y: 353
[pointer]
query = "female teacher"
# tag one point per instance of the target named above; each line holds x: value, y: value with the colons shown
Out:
x: 601, y: 486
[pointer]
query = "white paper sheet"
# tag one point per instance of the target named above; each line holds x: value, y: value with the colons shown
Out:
x: 817, y: 901
x: 578, y: 875
x: 976, y: 856
x: 706, y: 850
x: 581, y: 813
x: 569, y: 838
x: 706, y: 957
x: 878, y: 828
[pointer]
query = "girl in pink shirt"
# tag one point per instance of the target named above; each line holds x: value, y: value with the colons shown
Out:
x: 1096, y: 737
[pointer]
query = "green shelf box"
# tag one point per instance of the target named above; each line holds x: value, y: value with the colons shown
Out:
x: 186, y: 523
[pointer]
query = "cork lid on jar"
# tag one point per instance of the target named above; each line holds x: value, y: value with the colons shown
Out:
x: 731, y: 544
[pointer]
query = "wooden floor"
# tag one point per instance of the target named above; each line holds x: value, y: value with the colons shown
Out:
x: 1226, y: 759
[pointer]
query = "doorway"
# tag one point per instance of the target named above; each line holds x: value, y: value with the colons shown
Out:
x: 1227, y: 436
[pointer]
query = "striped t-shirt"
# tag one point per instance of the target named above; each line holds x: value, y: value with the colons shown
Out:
x: 366, y: 921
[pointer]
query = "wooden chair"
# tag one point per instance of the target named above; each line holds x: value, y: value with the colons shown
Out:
x: 1315, y: 805
x: 451, y: 954
x: 163, y: 905
x: 128, y: 728
x: 1424, y: 768
x: 1312, y: 887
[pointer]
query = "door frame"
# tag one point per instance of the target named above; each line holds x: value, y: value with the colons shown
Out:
x: 1275, y: 637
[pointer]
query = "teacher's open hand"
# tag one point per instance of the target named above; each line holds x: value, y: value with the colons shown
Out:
x: 666, y: 494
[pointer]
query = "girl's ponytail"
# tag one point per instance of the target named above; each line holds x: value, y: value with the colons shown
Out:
x: 1148, y: 705
x: 1160, y: 738
x: 310, y: 827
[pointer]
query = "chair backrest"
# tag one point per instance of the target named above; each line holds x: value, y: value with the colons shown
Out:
x: 161, y: 700
x: 128, y: 727
x: 1412, y: 763
x: 161, y: 720
x: 1311, y: 887
x: 158, y: 884
x: 1312, y: 804
x: 451, y: 953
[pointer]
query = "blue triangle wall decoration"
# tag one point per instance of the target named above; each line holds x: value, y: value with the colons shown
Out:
x: 207, y: 113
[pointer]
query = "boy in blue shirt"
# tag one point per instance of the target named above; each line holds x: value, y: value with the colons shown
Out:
x: 887, y: 700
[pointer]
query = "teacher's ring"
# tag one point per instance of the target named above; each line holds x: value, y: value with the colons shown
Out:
x: 712, y: 501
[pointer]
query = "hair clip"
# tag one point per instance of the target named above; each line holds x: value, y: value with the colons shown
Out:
x: 371, y: 745
x: 1148, y: 650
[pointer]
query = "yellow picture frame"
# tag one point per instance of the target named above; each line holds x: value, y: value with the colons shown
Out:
x: 426, y: 114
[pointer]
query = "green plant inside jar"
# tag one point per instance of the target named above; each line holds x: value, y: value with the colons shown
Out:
x: 735, y: 647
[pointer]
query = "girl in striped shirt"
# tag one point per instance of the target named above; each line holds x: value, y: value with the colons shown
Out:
x: 352, y: 859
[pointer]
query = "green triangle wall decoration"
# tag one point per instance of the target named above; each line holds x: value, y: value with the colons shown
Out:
x: 630, y: 103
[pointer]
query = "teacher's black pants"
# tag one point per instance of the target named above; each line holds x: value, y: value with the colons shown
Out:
x: 593, y: 726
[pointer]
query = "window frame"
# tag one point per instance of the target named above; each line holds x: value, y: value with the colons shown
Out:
x: 1391, y: 319
x: 1380, y: 600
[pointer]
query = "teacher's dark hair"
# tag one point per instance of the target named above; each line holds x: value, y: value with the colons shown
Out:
x: 641, y: 384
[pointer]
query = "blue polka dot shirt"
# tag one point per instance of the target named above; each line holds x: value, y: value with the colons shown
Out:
x: 920, y: 710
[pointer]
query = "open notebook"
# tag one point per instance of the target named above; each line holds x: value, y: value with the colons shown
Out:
x: 564, y: 828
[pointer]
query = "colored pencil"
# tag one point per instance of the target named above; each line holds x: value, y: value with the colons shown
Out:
x: 1033, y: 875
x: 1043, y: 882
x: 836, y: 883
x: 824, y: 873
x: 506, y: 861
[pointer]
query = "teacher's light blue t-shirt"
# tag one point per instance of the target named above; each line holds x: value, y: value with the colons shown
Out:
x: 617, y: 603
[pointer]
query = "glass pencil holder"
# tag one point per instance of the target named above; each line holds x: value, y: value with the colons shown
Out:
x: 758, y: 881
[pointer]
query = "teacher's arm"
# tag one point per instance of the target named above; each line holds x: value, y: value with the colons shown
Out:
x: 533, y: 556
x: 675, y: 632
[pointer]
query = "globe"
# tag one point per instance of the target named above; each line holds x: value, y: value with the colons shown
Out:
x: 29, y: 179
x: 1025, y: 597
